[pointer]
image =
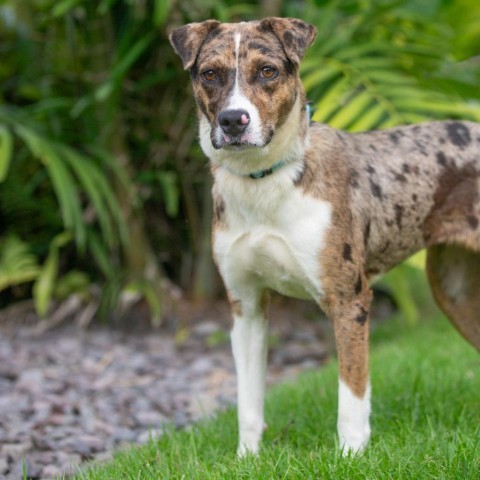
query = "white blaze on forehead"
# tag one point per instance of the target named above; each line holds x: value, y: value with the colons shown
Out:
x: 239, y: 99
x: 237, y: 39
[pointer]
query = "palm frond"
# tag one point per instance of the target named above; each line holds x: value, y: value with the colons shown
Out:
x: 17, y: 263
x: 365, y: 75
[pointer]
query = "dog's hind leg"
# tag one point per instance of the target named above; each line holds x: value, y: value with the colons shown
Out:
x: 454, y: 276
x: 249, y: 338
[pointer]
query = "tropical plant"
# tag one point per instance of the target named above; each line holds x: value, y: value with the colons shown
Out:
x: 95, y: 123
x: 384, y: 63
x: 17, y: 264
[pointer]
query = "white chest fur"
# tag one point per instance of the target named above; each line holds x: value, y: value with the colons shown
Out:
x: 273, y: 237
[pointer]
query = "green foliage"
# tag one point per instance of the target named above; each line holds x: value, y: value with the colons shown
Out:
x: 103, y: 129
x: 44, y: 285
x: 5, y: 152
x: 383, y: 64
x: 71, y: 171
x: 17, y: 263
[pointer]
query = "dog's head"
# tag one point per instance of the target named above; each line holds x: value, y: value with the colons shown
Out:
x: 244, y: 75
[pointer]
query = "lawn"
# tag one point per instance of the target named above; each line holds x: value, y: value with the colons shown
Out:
x: 425, y: 422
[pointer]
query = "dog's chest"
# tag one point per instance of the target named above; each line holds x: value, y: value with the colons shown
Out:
x: 273, y: 241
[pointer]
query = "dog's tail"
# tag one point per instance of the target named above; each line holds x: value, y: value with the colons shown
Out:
x: 454, y: 275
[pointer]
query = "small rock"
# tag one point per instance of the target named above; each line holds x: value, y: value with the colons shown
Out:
x: 204, y: 329
x: 122, y: 435
x: 150, y: 419
x: 84, y: 445
x: 51, y: 471
x: 145, y: 437
x: 3, y: 466
x: 31, y: 381
x: 16, y: 450
x: 201, y: 366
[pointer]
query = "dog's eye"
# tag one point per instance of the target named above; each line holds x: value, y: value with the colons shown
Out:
x: 209, y: 75
x: 268, y: 72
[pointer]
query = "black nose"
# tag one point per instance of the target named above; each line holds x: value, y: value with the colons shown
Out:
x: 234, y: 122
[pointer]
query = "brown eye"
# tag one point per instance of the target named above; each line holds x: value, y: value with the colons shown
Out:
x: 268, y: 72
x: 209, y: 75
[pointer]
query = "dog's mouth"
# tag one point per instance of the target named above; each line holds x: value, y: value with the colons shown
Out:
x: 239, y: 142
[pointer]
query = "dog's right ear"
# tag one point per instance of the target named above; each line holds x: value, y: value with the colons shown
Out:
x: 187, y: 40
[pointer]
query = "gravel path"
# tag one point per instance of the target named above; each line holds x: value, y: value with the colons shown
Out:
x: 72, y: 395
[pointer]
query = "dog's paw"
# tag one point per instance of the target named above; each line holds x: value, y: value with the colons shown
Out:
x: 250, y: 438
x: 243, y: 450
x: 353, y: 420
x: 353, y: 441
x: 354, y: 447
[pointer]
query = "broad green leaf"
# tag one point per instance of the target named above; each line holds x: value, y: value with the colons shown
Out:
x: 129, y: 58
x: 171, y: 193
x: 372, y: 118
x: 17, y: 264
x: 44, y: 286
x: 374, y: 62
x: 122, y: 65
x: 74, y: 281
x: 88, y: 174
x: 63, y: 183
x: 6, y: 144
x: 397, y: 281
x: 120, y: 175
x: 389, y: 77
x: 67, y: 195
x: 62, y: 7
x: 161, y: 9
x: 152, y: 295
x: 361, y: 102
x: 324, y: 73
x: 369, y: 49
x: 331, y: 100
x: 97, y: 249
x: 418, y: 260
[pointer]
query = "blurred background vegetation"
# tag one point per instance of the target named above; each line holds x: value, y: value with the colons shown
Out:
x: 104, y: 192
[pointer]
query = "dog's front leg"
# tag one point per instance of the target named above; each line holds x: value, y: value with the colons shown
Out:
x: 351, y: 333
x: 249, y: 345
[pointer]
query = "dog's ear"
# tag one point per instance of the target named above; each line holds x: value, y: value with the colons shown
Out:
x: 187, y: 40
x: 296, y: 35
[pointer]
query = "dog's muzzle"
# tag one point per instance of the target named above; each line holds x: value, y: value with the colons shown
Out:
x: 233, y: 130
x: 234, y: 122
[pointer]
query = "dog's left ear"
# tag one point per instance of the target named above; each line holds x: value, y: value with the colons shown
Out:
x: 296, y: 35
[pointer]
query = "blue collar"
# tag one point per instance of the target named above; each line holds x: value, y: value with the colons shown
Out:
x: 265, y: 173
x: 259, y: 173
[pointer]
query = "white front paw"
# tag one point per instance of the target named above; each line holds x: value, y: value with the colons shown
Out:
x: 353, y: 420
x: 250, y: 438
x: 353, y: 440
x: 244, y: 450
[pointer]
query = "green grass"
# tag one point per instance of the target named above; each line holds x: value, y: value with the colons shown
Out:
x: 425, y: 422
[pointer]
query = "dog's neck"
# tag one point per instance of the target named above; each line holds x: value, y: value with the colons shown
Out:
x: 285, y: 150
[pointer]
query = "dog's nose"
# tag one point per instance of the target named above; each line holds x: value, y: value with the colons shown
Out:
x: 234, y: 122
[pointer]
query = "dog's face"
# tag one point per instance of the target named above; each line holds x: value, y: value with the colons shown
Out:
x: 244, y: 75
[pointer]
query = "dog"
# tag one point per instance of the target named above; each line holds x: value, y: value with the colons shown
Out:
x: 315, y: 213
